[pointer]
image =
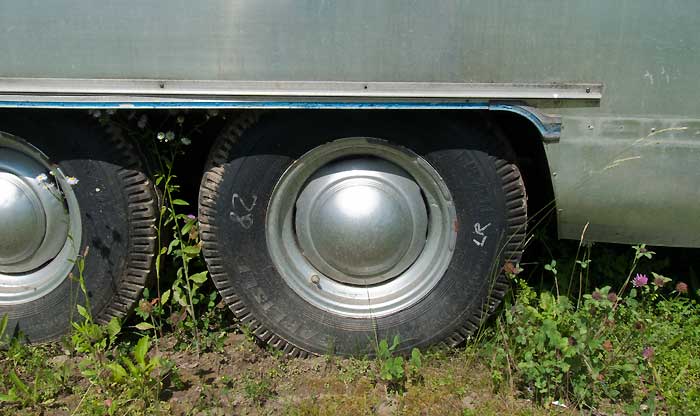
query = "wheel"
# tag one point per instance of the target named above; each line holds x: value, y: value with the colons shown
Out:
x: 67, y: 186
x: 325, y: 232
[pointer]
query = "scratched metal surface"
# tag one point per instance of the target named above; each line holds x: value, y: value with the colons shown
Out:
x: 621, y: 43
x: 646, y: 53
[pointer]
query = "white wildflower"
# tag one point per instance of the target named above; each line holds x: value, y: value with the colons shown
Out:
x: 41, y: 178
x: 169, y: 136
x: 72, y: 180
x: 160, y: 136
x: 186, y: 141
x: 180, y: 119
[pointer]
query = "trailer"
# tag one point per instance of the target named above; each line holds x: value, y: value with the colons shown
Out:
x: 384, y: 166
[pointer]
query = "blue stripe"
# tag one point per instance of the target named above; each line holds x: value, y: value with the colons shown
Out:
x: 239, y: 104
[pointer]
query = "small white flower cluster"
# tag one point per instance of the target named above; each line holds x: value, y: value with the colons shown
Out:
x: 165, y: 137
x: 72, y: 180
x: 170, y: 136
x: 44, y: 180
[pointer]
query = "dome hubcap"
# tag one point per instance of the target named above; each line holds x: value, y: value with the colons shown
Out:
x: 360, y: 227
x: 22, y: 218
x: 40, y: 223
x: 361, y: 221
x: 32, y: 212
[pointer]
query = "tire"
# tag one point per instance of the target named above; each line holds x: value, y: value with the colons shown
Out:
x: 114, y: 206
x: 252, y: 163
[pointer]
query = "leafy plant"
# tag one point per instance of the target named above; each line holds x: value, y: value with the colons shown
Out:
x: 140, y: 369
x: 394, y: 370
x: 415, y: 363
x: 551, y: 267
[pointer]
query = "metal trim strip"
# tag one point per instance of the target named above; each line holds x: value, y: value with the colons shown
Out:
x: 157, y: 90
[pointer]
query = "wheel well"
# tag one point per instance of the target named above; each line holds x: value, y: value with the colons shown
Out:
x: 526, y: 141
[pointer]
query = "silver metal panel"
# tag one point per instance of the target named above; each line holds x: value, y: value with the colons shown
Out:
x: 631, y: 180
x: 634, y: 47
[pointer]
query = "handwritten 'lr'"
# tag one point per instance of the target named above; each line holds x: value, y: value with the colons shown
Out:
x: 479, y: 231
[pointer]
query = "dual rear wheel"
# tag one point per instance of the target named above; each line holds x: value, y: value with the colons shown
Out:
x: 323, y: 231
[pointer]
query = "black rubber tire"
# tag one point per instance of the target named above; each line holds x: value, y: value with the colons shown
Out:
x: 251, y: 155
x: 118, y: 222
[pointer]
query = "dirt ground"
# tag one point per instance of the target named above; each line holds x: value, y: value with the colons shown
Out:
x: 245, y: 379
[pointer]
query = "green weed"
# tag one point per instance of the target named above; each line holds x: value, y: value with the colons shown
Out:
x: 258, y: 389
x: 613, y: 347
x: 394, y: 370
x: 117, y: 383
x: 29, y: 379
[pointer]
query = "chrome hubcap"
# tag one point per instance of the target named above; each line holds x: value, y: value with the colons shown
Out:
x: 32, y: 211
x: 361, y: 228
x: 361, y: 221
x: 38, y: 218
x: 22, y: 218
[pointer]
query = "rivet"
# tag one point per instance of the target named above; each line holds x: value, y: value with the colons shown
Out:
x: 315, y: 279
